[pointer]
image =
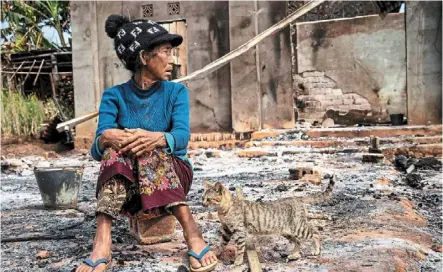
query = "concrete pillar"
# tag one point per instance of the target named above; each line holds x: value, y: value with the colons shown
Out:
x: 424, y: 49
x: 245, y: 94
x: 85, y: 64
x: 275, y: 68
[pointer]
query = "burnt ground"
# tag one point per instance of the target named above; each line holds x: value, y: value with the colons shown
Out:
x: 378, y: 222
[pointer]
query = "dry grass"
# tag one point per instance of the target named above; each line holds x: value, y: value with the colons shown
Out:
x: 23, y: 116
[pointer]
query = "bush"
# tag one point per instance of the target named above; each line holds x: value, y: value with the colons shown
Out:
x: 23, y: 116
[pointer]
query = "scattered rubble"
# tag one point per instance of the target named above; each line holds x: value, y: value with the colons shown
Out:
x: 380, y: 222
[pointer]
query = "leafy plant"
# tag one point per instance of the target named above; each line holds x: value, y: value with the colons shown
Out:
x: 26, y: 20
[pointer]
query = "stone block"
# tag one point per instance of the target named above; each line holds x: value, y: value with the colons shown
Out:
x: 258, y: 135
x: 213, y: 153
x: 348, y: 101
x: 254, y: 153
x: 312, y: 178
x: 313, y: 74
x: 299, y: 172
x: 373, y: 157
x: 152, y: 230
x: 336, y: 92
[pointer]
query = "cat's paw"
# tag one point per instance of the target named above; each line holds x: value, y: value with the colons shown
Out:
x: 314, y: 255
x: 238, y: 268
x: 238, y: 261
x: 294, y: 256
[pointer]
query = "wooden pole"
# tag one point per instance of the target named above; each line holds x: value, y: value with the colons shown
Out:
x: 38, y: 73
x: 27, y: 75
x: 16, y: 71
x: 254, y: 263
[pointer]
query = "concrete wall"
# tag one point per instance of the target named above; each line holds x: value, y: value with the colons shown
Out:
x: 352, y: 70
x: 424, y: 62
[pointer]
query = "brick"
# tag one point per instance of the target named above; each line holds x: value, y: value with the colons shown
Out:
x: 152, y: 230
x: 313, y: 74
x: 255, y: 153
x: 313, y: 79
x: 373, y: 157
x: 337, y: 91
x: 348, y: 101
x: 319, y: 97
x: 300, y: 172
x: 326, y: 91
x: 353, y: 132
x: 213, y: 153
x: 51, y: 155
x: 264, y: 134
x: 318, y: 85
x: 312, y: 104
x: 312, y: 178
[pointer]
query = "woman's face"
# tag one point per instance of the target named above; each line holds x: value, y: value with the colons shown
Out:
x: 159, y: 64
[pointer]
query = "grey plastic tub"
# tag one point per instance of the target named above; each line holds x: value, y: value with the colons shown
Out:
x: 59, y: 186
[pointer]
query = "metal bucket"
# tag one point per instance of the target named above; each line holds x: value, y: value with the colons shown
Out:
x: 59, y: 187
x: 397, y: 119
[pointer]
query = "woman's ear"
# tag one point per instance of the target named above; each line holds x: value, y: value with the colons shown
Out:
x: 143, y: 57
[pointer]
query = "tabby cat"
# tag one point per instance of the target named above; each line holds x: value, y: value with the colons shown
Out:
x: 285, y: 217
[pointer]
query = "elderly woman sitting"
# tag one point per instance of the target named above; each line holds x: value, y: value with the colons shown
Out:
x: 141, y: 141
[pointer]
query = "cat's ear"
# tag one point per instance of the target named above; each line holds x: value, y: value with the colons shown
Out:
x: 218, y: 187
x: 206, y: 183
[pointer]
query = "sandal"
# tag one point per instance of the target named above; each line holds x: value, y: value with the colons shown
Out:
x: 98, y: 262
x: 207, y: 268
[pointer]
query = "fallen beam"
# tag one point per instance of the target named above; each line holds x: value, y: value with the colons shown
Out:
x: 218, y: 63
x: 352, y: 132
x: 254, y: 263
x: 37, y: 237
x: 73, y: 122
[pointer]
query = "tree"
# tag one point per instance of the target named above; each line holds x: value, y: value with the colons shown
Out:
x: 26, y: 19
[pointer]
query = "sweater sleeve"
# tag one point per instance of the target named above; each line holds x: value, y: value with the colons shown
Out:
x: 107, y: 119
x: 179, y: 135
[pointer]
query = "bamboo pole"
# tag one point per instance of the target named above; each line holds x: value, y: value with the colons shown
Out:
x: 16, y: 71
x: 27, y: 75
x: 35, y: 73
x: 218, y: 63
x: 38, y: 73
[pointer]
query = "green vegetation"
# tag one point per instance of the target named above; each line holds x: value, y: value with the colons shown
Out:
x: 23, y: 116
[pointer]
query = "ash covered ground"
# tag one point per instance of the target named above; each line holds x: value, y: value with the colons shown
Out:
x: 378, y: 221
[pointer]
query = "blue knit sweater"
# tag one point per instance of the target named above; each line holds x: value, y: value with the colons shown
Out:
x: 164, y: 107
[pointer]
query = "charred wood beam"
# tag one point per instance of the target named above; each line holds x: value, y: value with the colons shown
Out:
x: 36, y: 237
